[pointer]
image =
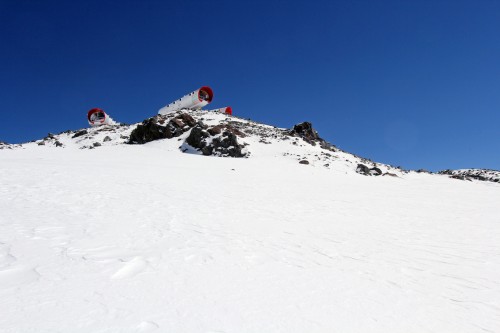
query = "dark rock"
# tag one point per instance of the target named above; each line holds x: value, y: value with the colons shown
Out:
x: 197, y: 137
x: 178, y: 123
x: 479, y: 177
x: 304, y: 162
x: 106, y: 139
x: 473, y: 174
x: 124, y: 137
x: 202, y: 124
x: 327, y: 146
x: 58, y: 144
x: 390, y: 174
x: 363, y: 169
x: 80, y: 133
x: 227, y: 145
x: 41, y: 143
x: 207, y: 150
x: 305, y: 131
x: 148, y: 131
x: 187, y: 119
x: 215, y: 130
x: 96, y: 144
x: 235, y: 131
x: 224, y: 145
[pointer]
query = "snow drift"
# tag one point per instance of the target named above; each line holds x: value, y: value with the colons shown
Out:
x: 97, y: 234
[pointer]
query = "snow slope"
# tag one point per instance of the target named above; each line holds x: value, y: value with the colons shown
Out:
x: 145, y: 238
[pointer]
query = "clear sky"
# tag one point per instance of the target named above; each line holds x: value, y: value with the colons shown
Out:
x: 410, y: 83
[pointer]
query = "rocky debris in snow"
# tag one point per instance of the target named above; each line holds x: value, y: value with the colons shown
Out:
x: 210, y: 134
x: 423, y: 171
x: 459, y: 177
x: 217, y: 141
x: 304, y: 162
x: 473, y: 174
x: 58, y: 144
x: 197, y: 138
x: 80, y: 133
x: 390, y: 174
x: 310, y: 135
x: 218, y: 129
x: 157, y: 128
x: 96, y: 144
x: 364, y: 170
x: 327, y: 145
x: 149, y: 131
x: 5, y: 145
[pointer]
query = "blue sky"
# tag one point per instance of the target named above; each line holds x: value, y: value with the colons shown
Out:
x: 410, y: 83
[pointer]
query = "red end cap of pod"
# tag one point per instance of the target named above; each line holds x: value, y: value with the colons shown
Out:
x: 94, y: 110
x: 209, y: 91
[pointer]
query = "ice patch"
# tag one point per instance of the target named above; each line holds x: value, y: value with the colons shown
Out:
x: 131, y: 268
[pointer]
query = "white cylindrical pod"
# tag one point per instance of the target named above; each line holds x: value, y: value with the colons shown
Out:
x: 227, y: 110
x: 194, y: 101
x: 98, y: 117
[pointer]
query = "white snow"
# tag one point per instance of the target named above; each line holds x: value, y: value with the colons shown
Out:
x: 144, y: 238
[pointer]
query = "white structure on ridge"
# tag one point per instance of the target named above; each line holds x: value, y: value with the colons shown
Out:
x: 194, y: 101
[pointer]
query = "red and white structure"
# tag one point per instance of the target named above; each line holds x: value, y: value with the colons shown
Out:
x: 97, y: 117
x: 193, y: 101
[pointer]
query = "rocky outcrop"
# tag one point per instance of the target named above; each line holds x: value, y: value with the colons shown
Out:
x: 217, y: 140
x: 4, y: 145
x: 198, y: 138
x: 306, y: 131
x: 157, y: 128
x: 80, y: 133
x: 473, y: 174
x: 149, y: 131
x: 364, y: 170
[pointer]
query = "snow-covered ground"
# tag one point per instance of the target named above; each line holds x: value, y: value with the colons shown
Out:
x: 145, y: 238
